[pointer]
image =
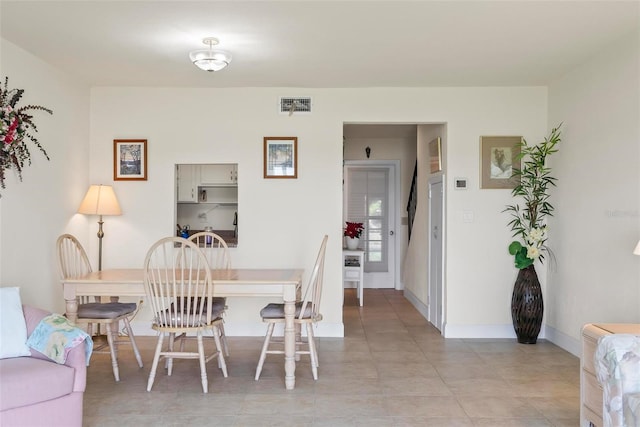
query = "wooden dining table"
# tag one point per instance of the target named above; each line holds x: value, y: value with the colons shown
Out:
x: 244, y: 282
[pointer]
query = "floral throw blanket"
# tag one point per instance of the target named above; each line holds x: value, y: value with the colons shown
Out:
x: 55, y: 336
x: 617, y: 360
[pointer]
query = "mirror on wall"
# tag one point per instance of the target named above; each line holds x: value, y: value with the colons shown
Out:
x: 207, y: 199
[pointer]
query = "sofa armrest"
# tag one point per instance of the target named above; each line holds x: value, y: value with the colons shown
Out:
x: 75, y: 359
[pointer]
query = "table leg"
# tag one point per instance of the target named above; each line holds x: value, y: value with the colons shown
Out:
x: 289, y: 345
x: 72, y: 309
x: 298, y: 326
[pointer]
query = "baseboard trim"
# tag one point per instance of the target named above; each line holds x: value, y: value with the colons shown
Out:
x: 419, y: 305
x: 478, y: 331
x: 564, y: 341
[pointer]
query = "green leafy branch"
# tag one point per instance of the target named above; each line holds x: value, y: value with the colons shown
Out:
x: 534, y: 182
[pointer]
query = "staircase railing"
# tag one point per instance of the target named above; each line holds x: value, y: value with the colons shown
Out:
x: 413, y: 199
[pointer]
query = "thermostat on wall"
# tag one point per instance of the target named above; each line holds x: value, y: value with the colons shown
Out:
x: 460, y: 183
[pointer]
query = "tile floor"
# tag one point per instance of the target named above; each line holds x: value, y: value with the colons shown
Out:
x: 391, y: 369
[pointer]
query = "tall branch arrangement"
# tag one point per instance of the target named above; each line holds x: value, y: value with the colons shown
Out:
x: 16, y: 128
x: 535, y: 180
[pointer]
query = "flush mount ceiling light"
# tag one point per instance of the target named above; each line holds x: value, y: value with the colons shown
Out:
x: 210, y: 59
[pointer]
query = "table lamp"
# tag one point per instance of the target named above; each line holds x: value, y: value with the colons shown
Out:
x: 100, y: 200
x: 636, y: 251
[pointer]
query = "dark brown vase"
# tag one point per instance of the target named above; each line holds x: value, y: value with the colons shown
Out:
x: 527, y: 306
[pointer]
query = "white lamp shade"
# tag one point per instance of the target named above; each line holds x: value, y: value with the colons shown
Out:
x: 100, y: 200
x: 636, y: 251
x: 210, y: 60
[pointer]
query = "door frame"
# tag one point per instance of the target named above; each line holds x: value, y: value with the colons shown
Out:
x: 439, y: 323
x: 394, y: 166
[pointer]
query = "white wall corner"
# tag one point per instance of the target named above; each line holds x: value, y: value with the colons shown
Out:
x: 419, y: 305
x: 563, y: 340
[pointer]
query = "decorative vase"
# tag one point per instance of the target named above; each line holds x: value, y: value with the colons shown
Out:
x: 527, y: 306
x: 352, y: 243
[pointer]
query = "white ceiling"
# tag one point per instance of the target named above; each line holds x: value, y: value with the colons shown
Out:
x: 318, y: 43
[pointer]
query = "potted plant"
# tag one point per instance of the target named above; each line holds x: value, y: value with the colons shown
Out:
x: 529, y: 225
x: 352, y: 232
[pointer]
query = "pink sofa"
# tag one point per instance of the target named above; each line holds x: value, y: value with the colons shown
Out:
x: 35, y: 391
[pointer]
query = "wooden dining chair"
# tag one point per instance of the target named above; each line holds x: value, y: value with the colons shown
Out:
x: 72, y: 263
x: 307, y: 313
x: 216, y: 251
x: 179, y: 289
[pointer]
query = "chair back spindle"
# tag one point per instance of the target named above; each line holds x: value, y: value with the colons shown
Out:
x: 178, y: 284
x: 215, y: 249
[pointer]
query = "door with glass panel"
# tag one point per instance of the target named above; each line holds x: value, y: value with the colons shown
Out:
x: 369, y: 199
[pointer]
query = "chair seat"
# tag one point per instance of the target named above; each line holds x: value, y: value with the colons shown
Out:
x: 217, y: 310
x: 217, y: 302
x: 187, y: 319
x: 108, y: 310
x: 276, y: 311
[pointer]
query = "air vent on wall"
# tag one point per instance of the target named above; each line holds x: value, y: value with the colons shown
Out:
x: 295, y: 105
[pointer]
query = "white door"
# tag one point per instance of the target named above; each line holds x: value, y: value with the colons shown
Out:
x: 436, y: 246
x: 369, y: 197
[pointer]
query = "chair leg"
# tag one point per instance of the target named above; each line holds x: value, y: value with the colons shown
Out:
x: 169, y: 362
x: 219, y: 347
x: 265, y: 347
x: 312, y: 351
x: 113, y: 351
x: 223, y: 337
x: 132, y: 339
x: 203, y: 367
x: 156, y: 358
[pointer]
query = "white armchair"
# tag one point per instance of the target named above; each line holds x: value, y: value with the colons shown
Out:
x: 617, y: 363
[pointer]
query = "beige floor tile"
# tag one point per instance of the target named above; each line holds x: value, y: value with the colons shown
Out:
x: 282, y: 420
x: 350, y: 406
x: 479, y: 387
x: 431, y: 422
x: 277, y: 404
x: 512, y: 422
x: 399, y: 356
x: 558, y: 408
x: 498, y: 407
x: 543, y: 388
x: 417, y: 386
x: 391, y: 369
x: 405, y: 370
x: 424, y: 406
x: 348, y: 386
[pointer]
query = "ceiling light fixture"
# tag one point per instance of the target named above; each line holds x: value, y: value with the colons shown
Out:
x: 210, y: 59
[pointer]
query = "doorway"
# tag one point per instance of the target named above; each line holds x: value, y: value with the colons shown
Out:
x: 370, y: 198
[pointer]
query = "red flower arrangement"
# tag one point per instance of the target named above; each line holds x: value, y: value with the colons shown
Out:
x: 353, y: 229
x: 16, y: 128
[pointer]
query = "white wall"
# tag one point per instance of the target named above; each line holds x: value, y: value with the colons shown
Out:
x: 283, y: 220
x: 35, y: 211
x: 416, y: 268
x: 597, y: 279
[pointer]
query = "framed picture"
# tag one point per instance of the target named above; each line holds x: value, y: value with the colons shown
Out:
x: 499, y: 155
x: 435, y: 155
x: 280, y: 157
x: 129, y: 159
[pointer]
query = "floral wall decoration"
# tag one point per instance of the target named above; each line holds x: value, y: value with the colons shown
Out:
x: 16, y: 129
